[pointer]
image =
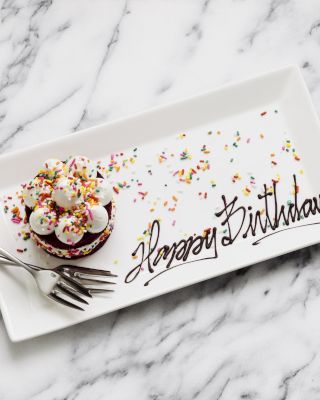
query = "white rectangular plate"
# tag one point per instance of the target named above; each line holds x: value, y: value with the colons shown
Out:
x: 176, y: 162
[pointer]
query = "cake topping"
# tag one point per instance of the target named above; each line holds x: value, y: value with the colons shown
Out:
x: 36, y: 191
x: 53, y: 168
x: 80, y: 166
x: 98, y: 218
x: 43, y: 221
x: 103, y: 191
x: 69, y: 229
x: 69, y: 199
x: 67, y: 192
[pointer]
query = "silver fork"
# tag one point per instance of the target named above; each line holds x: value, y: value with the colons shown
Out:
x: 68, y: 280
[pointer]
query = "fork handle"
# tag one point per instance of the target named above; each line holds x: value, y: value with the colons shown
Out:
x: 14, y: 264
x: 10, y: 257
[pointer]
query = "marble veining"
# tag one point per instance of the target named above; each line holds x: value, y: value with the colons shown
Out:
x: 67, y: 65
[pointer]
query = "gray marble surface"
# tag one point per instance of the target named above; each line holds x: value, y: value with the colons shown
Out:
x: 67, y: 65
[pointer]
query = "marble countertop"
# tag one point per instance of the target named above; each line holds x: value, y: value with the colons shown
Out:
x: 68, y: 65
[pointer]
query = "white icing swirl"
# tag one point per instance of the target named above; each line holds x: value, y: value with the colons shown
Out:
x: 103, y: 191
x: 68, y: 230
x: 43, y: 220
x: 67, y: 192
x: 34, y: 190
x: 82, y: 166
x: 53, y: 168
x: 98, y: 219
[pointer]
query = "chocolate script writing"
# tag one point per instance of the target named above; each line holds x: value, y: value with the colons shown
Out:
x: 239, y: 222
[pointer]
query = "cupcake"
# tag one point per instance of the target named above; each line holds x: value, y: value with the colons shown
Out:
x: 69, y: 207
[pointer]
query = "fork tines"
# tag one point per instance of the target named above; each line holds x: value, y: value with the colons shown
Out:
x: 87, y: 277
x: 100, y: 290
x: 75, y: 285
x: 89, y: 281
x: 67, y: 290
x: 54, y: 296
x: 89, y: 271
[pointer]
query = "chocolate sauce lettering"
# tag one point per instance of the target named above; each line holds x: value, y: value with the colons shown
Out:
x: 239, y: 221
x: 176, y: 252
x: 230, y: 238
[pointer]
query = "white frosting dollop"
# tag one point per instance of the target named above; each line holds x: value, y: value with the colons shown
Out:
x: 67, y: 192
x: 82, y: 166
x: 53, y: 168
x: 43, y: 220
x: 98, y: 218
x: 68, y: 230
x: 34, y: 189
x: 103, y: 191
